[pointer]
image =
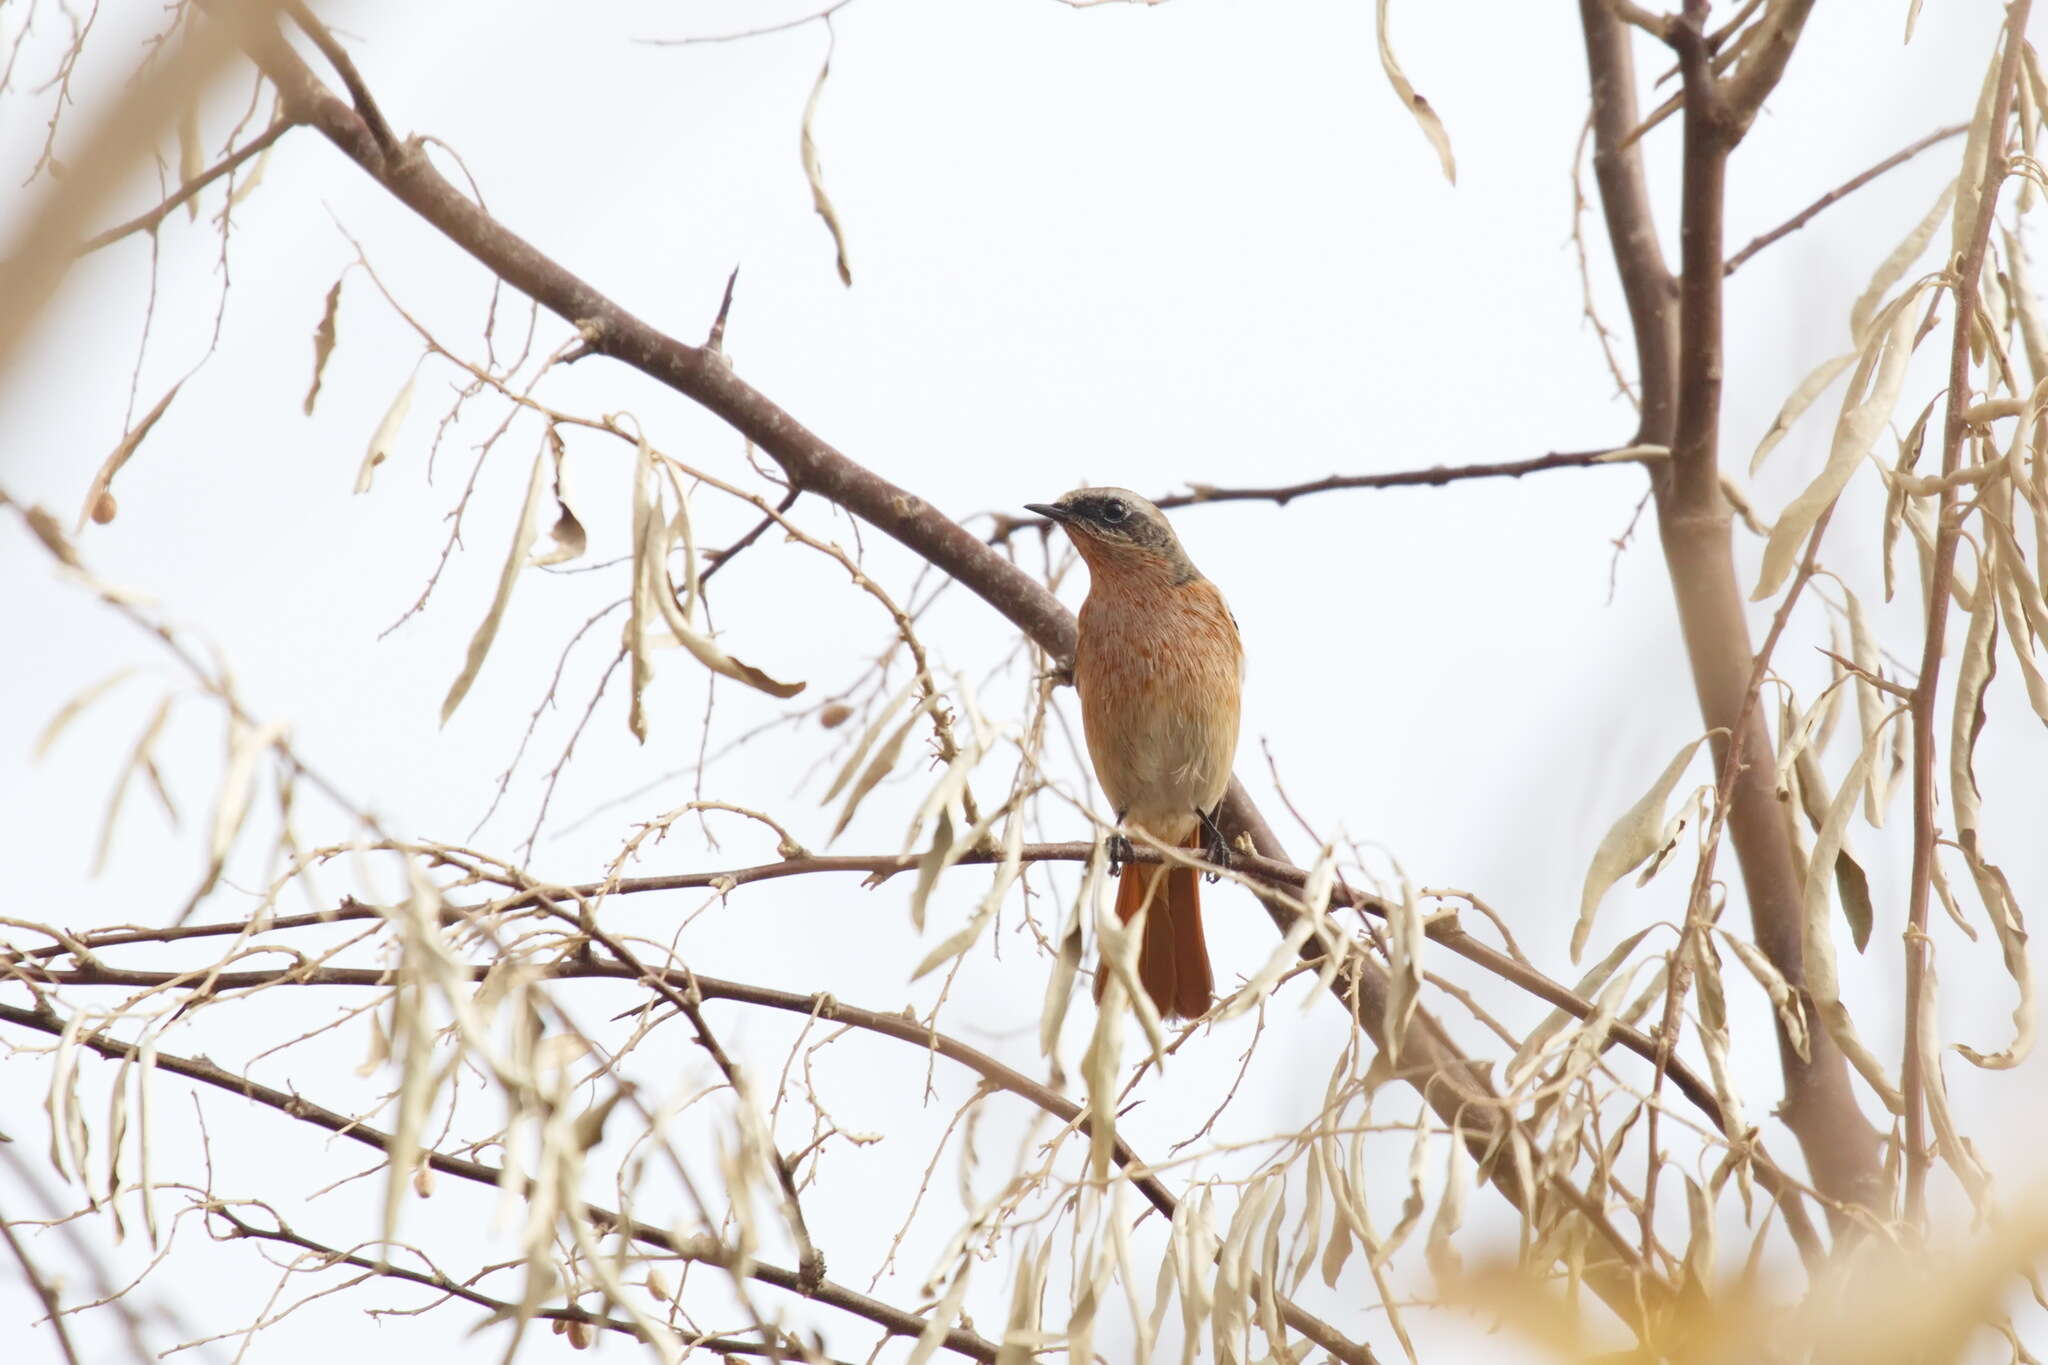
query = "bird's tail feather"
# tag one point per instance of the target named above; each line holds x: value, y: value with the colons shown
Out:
x: 1173, y: 959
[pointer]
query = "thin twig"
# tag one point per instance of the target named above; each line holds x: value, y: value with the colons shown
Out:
x: 147, y: 222
x: 1842, y: 191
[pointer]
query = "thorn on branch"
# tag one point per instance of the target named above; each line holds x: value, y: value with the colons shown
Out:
x: 714, y: 341
x: 592, y: 331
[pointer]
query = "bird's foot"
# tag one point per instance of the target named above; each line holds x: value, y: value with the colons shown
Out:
x: 1215, y: 847
x: 1119, y: 854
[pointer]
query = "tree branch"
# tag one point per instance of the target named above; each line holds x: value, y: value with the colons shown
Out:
x: 241, y: 1228
x: 1442, y: 930
x: 1955, y: 423
x: 147, y: 222
x: 1007, y: 525
x: 1681, y: 359
x: 1842, y: 191
x: 898, y: 1323
x: 45, y: 1290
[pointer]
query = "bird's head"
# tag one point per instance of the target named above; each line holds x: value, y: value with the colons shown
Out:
x: 1116, y: 529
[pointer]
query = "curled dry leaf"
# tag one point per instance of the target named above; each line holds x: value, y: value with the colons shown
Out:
x: 102, y: 482
x: 1817, y: 933
x: 1635, y: 836
x: 381, y: 442
x: 523, y: 536
x: 1796, y: 405
x: 815, y: 174
x: 570, y: 539
x: 1866, y: 407
x: 1894, y: 267
x: 654, y: 597
x: 1425, y: 117
x: 323, y: 342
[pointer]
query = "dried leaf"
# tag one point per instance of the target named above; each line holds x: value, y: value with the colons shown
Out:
x: 680, y: 619
x: 570, y: 539
x: 1425, y: 117
x: 1817, y: 936
x: 942, y: 1317
x: 387, y: 432
x: 71, y: 710
x: 323, y: 341
x: 1596, y: 977
x: 99, y: 496
x: 816, y: 176
x: 191, y: 156
x: 139, y: 758
x: 1635, y: 836
x: 880, y: 767
x: 1796, y: 405
x: 523, y: 536
x: 1866, y: 407
x: 1894, y: 267
x: 1783, y: 998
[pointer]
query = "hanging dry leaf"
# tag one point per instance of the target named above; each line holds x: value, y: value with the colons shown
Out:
x: 523, y: 536
x: 323, y: 341
x: 1795, y: 406
x: 815, y: 175
x: 99, y: 498
x: 1873, y: 393
x: 1635, y: 836
x: 381, y: 443
x: 191, y: 156
x: 1425, y: 117
x: 1817, y: 935
x: 569, y: 537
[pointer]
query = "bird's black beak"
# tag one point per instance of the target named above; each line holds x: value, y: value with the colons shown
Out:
x: 1049, y: 511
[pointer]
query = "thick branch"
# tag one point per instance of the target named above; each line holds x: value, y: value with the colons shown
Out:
x: 1682, y: 362
x: 1429, y: 1060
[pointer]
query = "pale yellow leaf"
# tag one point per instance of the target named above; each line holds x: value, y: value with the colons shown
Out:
x: 381, y: 442
x: 1425, y: 116
x: 523, y: 535
x: 1634, y: 837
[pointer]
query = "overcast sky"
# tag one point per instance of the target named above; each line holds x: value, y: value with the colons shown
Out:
x: 1193, y: 243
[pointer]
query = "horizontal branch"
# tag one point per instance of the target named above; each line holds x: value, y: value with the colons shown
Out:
x: 894, y: 1320
x: 1443, y: 930
x: 1434, y: 477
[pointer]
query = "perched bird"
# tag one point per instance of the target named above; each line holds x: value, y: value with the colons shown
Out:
x: 1160, y: 669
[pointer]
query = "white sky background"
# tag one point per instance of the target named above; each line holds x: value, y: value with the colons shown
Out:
x: 1194, y: 243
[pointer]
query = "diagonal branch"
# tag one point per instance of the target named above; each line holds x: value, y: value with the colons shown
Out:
x: 1430, y: 1061
x: 1842, y: 191
x: 148, y: 222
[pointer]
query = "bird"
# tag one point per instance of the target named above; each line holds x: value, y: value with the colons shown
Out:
x: 1160, y: 668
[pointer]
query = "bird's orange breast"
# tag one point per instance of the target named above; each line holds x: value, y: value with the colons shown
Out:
x: 1159, y: 667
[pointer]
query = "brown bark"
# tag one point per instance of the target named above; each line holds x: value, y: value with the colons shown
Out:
x: 1678, y: 326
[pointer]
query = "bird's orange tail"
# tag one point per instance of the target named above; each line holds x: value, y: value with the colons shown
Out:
x: 1173, y: 960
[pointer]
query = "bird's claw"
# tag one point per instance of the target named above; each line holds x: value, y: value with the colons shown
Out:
x: 1215, y: 847
x: 1119, y: 854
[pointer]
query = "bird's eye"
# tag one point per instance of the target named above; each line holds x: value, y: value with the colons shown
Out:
x: 1114, y: 511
